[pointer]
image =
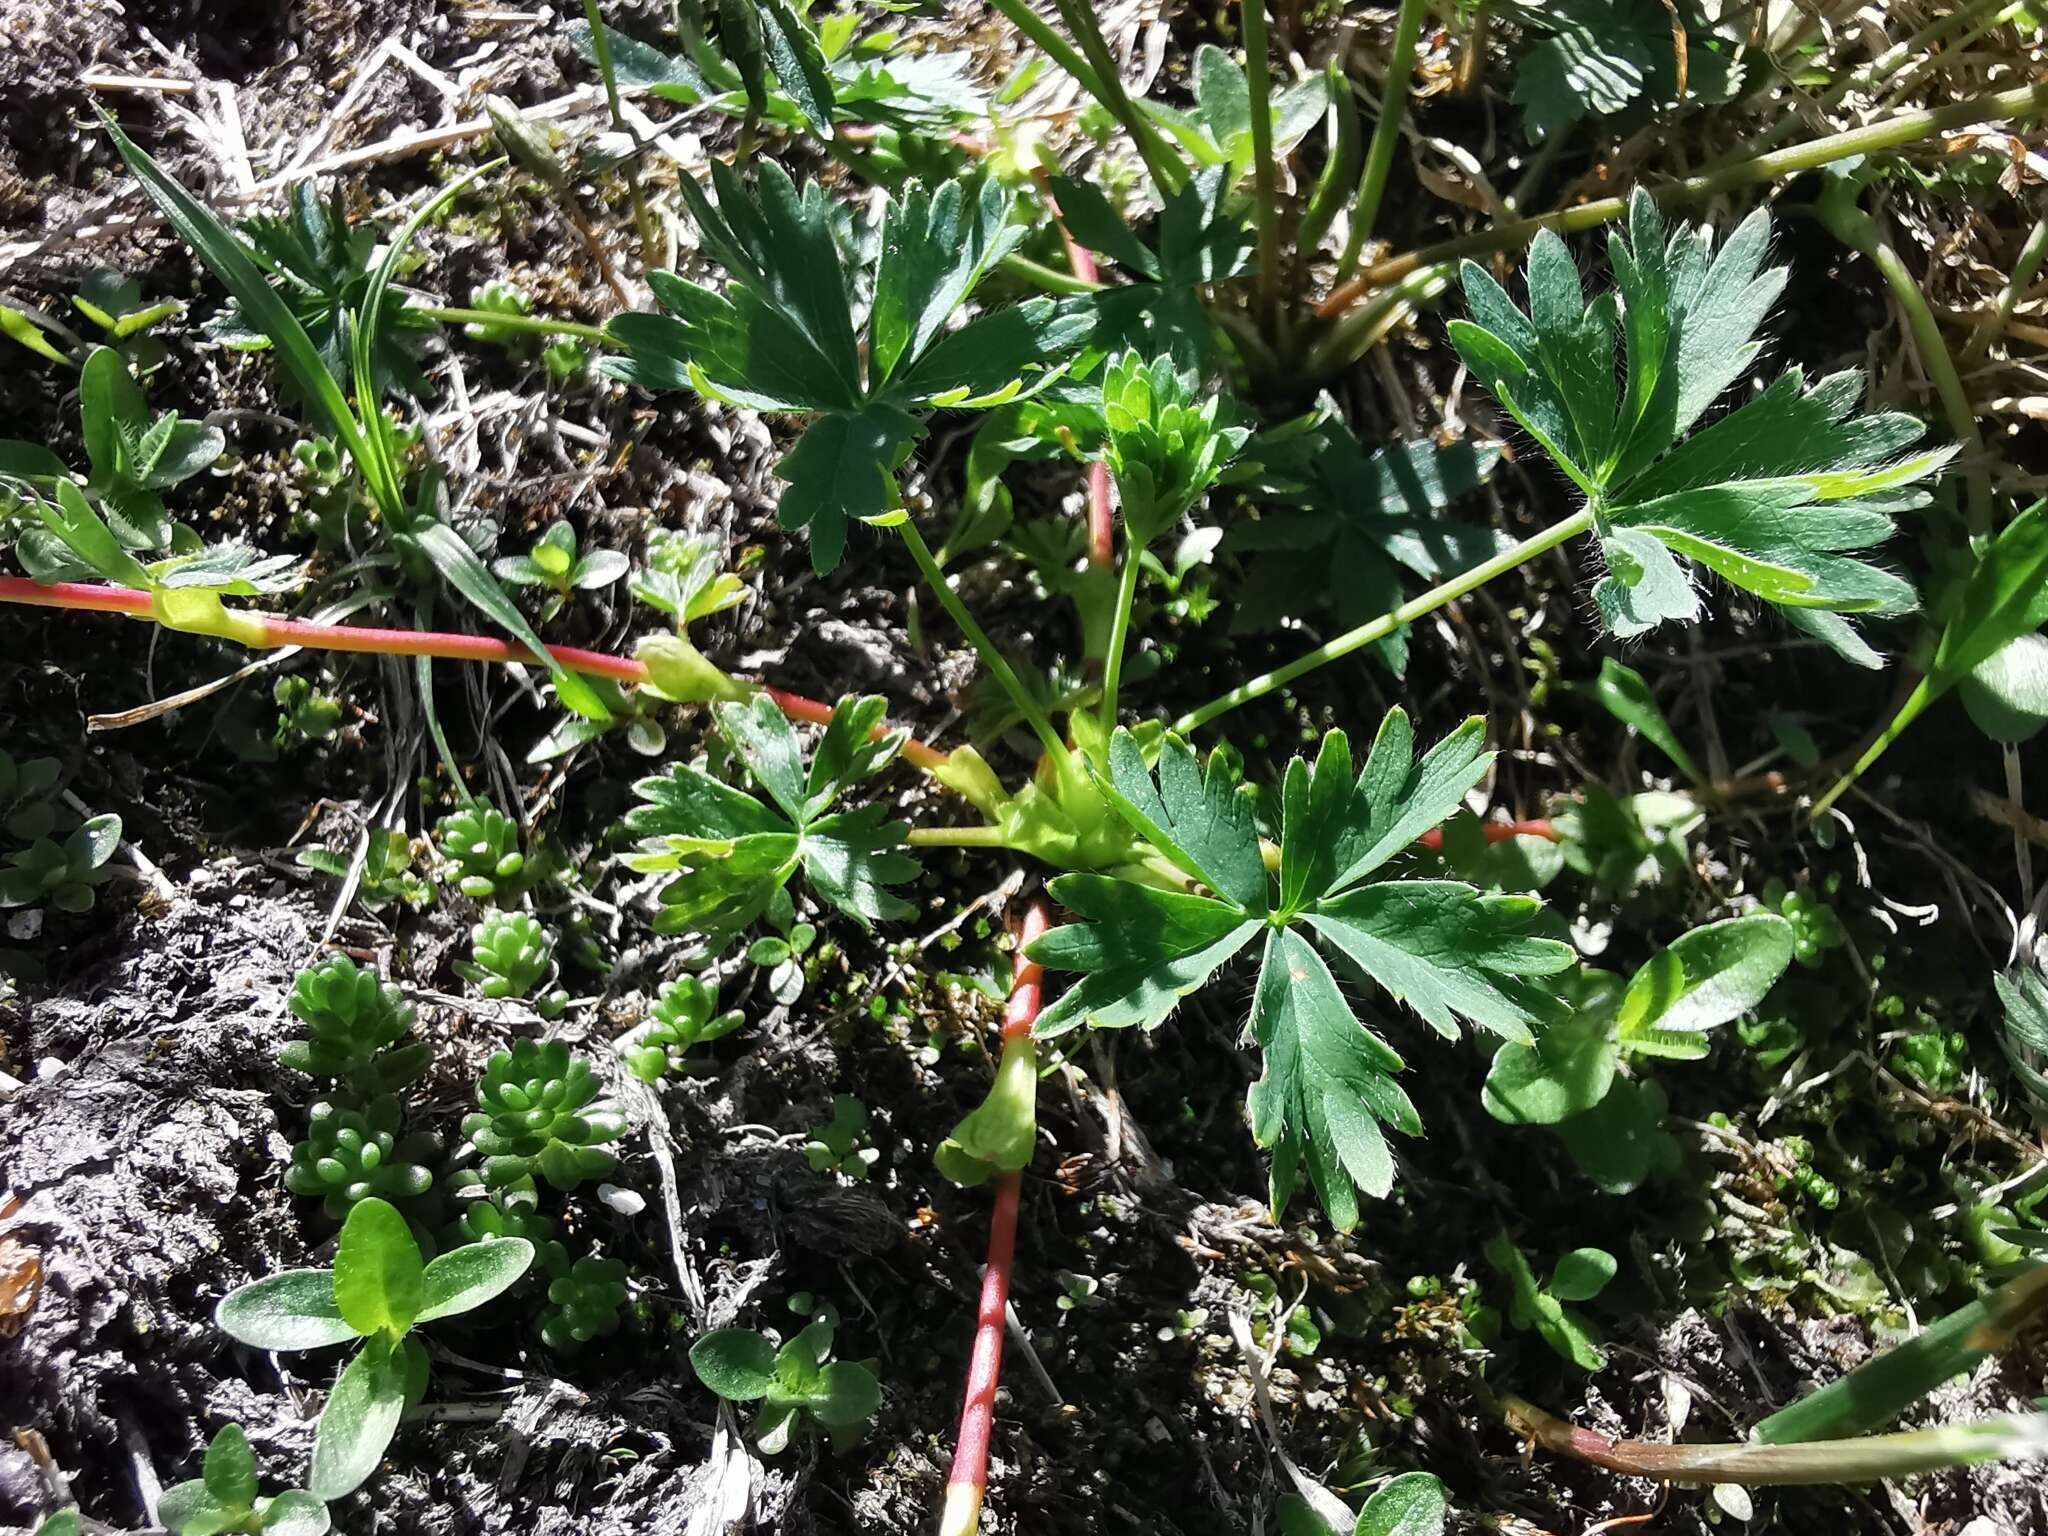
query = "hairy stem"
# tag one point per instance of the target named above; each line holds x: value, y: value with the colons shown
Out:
x: 1119, y: 631
x: 997, y: 664
x: 957, y: 837
x: 1379, y: 628
x: 968, y: 1480
x: 1860, y: 232
x: 1386, y: 134
x: 538, y: 325
x: 2021, y: 102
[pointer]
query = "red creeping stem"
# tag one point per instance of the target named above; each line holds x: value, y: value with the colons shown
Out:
x: 98, y: 598
x: 1496, y: 832
x: 969, y: 1477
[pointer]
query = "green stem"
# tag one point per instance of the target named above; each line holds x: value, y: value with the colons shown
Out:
x: 539, y: 325
x: 957, y: 837
x: 1386, y: 134
x: 2023, y: 273
x: 1047, y: 41
x: 2022, y: 102
x: 998, y: 666
x: 1885, y: 64
x: 1859, y: 231
x: 1167, y: 172
x: 1915, y: 706
x: 1258, y: 72
x: 1120, y: 628
x: 1379, y: 628
x: 1047, y: 279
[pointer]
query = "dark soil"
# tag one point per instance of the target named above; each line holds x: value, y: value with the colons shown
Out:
x: 143, y: 1148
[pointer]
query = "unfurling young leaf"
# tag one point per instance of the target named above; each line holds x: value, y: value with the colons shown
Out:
x: 781, y: 335
x: 1580, y: 1276
x: 1445, y: 949
x: 1775, y: 497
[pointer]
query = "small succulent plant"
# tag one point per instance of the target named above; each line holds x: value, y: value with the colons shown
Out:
x: 555, y: 562
x: 482, y: 842
x: 355, y: 1023
x: 350, y: 1155
x: 685, y: 1014
x: 836, y: 1146
x: 511, y: 954
x: 513, y: 1213
x: 584, y: 1304
x: 536, y: 1116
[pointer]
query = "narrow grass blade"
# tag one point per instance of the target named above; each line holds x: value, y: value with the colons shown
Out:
x: 227, y: 259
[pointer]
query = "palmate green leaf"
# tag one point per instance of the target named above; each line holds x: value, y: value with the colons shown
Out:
x: 733, y: 853
x: 782, y: 336
x: 1445, y: 949
x: 1777, y: 497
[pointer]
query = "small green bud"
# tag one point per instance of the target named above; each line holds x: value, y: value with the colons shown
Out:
x: 1000, y: 1135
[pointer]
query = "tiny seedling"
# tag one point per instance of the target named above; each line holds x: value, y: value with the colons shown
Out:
x: 555, y: 563
x: 733, y: 853
x: 482, y: 843
x: 62, y: 873
x: 782, y: 956
x: 304, y: 713
x: 388, y: 874
x: 584, y: 1304
x: 513, y: 1212
x: 684, y: 1015
x: 536, y: 1115
x: 837, y: 1145
x: 511, y: 953
x: 377, y: 1293
x: 1580, y: 1275
x: 355, y: 1025
x: 498, y: 298
x: 798, y: 1382
x: 224, y: 1500
x: 350, y: 1155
